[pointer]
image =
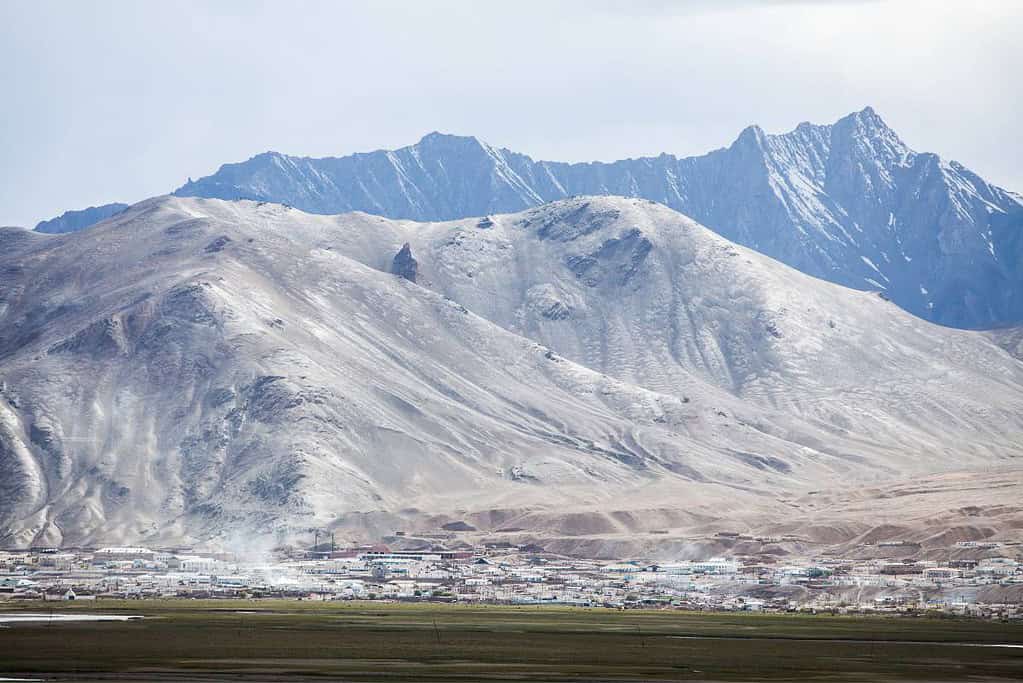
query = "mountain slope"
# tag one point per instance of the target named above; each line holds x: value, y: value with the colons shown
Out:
x: 847, y: 202
x: 642, y: 293
x: 73, y: 221
x: 195, y: 368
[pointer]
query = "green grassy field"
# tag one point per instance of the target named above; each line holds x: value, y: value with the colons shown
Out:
x: 286, y: 640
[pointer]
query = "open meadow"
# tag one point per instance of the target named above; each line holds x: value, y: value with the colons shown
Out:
x: 290, y: 640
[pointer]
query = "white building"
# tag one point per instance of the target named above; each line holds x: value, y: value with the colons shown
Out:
x: 941, y: 573
x: 715, y: 565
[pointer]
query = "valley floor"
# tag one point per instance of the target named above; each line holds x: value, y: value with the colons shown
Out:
x: 297, y: 640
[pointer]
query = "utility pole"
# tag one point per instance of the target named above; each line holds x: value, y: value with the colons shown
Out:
x: 316, y: 540
x: 332, y: 543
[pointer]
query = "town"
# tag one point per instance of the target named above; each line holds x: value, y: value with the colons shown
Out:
x: 985, y: 581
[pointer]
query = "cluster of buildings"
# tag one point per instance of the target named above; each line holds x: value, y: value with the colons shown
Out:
x: 987, y: 587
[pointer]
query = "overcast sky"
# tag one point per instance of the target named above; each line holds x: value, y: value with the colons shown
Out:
x: 118, y: 101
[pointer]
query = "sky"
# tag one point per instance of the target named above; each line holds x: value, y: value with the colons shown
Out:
x: 118, y: 101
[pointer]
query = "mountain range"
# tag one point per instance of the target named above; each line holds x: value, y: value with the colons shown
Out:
x: 587, y: 371
x: 848, y: 202
x: 73, y: 221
